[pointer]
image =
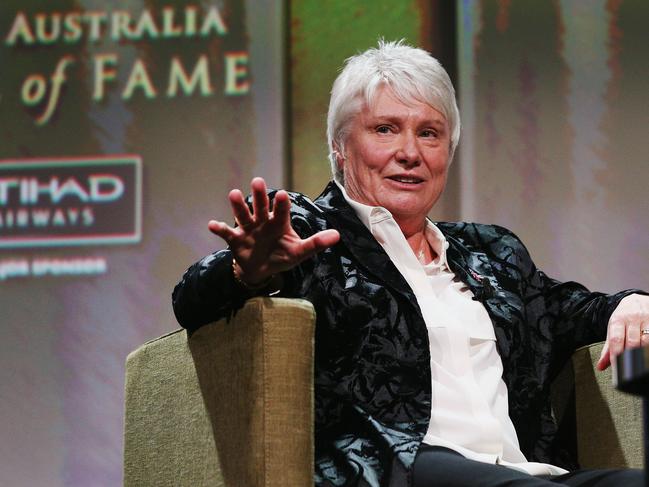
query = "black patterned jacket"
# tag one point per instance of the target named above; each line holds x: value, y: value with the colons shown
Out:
x: 372, y: 372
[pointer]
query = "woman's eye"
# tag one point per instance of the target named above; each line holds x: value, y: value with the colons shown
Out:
x: 429, y: 133
x: 383, y: 129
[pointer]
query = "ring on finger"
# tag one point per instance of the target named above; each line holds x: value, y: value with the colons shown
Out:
x: 644, y: 331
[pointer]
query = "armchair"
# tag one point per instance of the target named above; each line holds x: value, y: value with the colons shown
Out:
x: 232, y: 405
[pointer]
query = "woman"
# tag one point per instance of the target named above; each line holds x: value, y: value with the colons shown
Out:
x: 435, y: 343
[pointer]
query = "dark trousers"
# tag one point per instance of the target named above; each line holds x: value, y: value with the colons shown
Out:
x: 437, y: 466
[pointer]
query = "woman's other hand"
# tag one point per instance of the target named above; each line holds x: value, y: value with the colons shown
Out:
x: 625, y: 328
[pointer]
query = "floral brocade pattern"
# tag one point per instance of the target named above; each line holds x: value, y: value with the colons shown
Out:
x: 372, y: 362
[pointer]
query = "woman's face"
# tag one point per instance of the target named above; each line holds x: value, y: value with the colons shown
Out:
x: 396, y: 156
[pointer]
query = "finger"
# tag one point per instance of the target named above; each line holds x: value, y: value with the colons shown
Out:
x: 259, y: 199
x: 221, y: 229
x: 318, y: 242
x: 282, y: 208
x: 604, y: 359
x: 644, y: 334
x: 633, y: 335
x: 240, y: 208
x: 616, y: 338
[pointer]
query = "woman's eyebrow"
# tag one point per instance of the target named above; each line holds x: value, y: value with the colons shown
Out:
x: 392, y: 117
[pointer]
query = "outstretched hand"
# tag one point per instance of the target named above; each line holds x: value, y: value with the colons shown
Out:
x: 628, y: 327
x: 264, y: 242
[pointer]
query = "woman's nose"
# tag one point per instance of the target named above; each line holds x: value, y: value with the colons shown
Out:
x: 408, y: 151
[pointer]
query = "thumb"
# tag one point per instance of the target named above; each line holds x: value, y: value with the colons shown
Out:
x: 326, y: 239
x: 318, y: 242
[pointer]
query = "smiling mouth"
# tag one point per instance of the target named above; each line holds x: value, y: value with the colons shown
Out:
x: 406, y: 179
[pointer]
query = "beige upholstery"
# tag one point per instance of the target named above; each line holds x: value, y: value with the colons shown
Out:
x: 230, y: 406
x: 233, y: 404
x: 609, y: 422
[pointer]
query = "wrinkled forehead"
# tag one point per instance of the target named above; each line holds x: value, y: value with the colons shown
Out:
x: 409, y: 96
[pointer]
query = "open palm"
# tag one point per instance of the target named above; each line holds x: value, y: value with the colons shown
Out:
x: 264, y: 242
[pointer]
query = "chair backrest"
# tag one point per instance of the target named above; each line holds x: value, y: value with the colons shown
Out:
x: 230, y: 406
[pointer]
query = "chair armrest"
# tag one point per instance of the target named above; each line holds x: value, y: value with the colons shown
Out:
x: 609, y: 422
x: 231, y: 405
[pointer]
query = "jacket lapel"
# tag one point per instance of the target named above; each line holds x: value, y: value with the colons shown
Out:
x: 360, y: 241
x: 474, y: 269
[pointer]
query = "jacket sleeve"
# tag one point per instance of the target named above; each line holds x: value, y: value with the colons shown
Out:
x: 207, y: 292
x: 565, y: 315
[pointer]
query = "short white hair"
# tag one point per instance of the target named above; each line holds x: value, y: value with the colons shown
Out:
x: 411, y: 73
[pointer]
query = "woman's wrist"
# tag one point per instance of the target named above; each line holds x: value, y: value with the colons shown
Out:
x: 249, y: 286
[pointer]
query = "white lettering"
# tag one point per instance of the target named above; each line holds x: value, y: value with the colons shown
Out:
x: 213, y: 20
x: 62, y: 267
x: 199, y: 77
x: 20, y: 29
x: 41, y: 218
x: 5, y: 185
x: 69, y: 188
x: 96, y: 188
x: 58, y: 220
x: 13, y: 268
x: 104, y: 187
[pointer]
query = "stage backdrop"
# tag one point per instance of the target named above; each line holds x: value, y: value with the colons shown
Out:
x: 556, y: 132
x: 123, y: 125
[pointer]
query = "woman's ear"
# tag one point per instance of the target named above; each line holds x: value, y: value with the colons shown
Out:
x: 340, y: 158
